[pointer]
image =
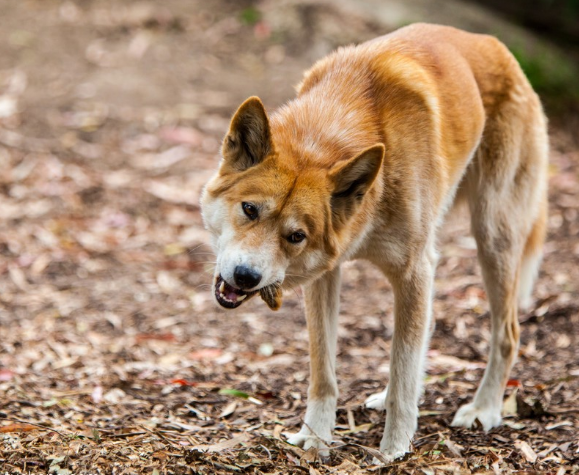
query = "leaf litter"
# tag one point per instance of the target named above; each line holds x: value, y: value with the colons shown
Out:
x: 113, y: 357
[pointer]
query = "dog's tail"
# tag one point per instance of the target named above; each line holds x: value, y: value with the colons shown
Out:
x: 532, y: 257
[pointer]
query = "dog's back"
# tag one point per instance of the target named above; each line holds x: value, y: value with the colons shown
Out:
x: 454, y: 110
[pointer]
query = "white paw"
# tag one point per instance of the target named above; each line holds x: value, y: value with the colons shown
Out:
x: 467, y: 414
x: 393, y: 449
x: 388, y: 457
x: 306, y: 440
x: 396, y: 443
x: 377, y: 401
x: 319, y: 422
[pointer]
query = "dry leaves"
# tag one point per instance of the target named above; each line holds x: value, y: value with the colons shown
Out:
x: 112, y: 353
x: 526, y: 450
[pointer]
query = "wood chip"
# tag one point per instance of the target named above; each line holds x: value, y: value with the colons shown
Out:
x: 526, y: 450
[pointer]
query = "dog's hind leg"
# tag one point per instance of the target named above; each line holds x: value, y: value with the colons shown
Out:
x: 500, y: 272
x: 507, y: 199
x: 322, y: 307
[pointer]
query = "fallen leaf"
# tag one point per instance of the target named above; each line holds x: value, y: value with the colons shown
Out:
x: 547, y: 451
x: 361, y: 428
x: 348, y: 468
x: 559, y: 424
x: 205, y: 353
x: 167, y: 282
x: 448, y: 362
x: 512, y: 424
x: 564, y: 447
x: 17, y: 427
x: 277, y: 430
x: 183, y: 382
x: 225, y: 444
x: 171, y: 193
x: 18, y: 277
x: 228, y: 410
x: 174, y: 249
x: 182, y: 135
x: 6, y: 374
x: 97, y: 394
x: 454, y: 448
x: 374, y: 453
x: 114, y: 396
x: 526, y: 451
x: 155, y: 336
x: 310, y: 455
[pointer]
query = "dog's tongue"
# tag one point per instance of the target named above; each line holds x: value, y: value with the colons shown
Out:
x: 231, y: 293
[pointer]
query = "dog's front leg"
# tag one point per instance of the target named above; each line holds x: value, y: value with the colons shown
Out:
x: 412, y: 313
x: 322, y: 305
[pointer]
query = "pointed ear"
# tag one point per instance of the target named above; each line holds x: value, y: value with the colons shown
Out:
x: 249, y: 138
x: 352, y: 179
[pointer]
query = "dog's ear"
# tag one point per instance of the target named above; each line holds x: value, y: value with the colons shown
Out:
x: 248, y: 141
x: 352, y: 179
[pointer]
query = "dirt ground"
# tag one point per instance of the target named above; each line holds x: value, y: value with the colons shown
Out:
x: 113, y: 356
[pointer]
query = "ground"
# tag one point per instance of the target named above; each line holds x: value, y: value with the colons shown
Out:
x: 114, y: 357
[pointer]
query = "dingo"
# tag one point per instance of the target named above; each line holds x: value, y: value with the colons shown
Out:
x: 381, y: 140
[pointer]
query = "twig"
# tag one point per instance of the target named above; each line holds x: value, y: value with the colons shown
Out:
x: 36, y: 425
x: 158, y: 434
x: 369, y: 450
x: 316, y: 435
x: 127, y: 434
x: 564, y: 410
x: 427, y: 436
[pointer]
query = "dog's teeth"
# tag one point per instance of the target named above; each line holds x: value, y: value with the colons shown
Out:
x: 241, y: 297
x: 222, y: 287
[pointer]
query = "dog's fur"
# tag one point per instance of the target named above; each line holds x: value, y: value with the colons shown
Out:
x: 381, y: 140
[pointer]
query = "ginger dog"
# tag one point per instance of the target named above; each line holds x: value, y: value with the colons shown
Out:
x: 380, y: 141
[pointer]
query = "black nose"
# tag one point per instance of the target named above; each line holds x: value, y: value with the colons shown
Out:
x: 245, y: 277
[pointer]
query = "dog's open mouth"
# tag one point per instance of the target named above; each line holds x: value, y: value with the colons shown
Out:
x: 228, y: 296
x: 231, y: 297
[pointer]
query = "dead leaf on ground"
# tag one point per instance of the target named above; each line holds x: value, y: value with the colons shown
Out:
x: 17, y: 427
x: 526, y: 450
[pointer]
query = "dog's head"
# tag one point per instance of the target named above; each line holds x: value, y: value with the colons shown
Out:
x: 276, y: 219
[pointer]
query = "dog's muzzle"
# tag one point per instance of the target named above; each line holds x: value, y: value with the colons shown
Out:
x: 228, y: 296
x: 231, y: 297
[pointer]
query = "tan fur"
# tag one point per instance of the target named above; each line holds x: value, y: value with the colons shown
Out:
x: 365, y: 162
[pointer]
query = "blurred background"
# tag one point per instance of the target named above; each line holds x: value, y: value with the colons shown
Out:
x: 111, y: 117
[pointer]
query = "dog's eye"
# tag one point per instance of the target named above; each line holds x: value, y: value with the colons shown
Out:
x: 250, y: 210
x: 296, y: 237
